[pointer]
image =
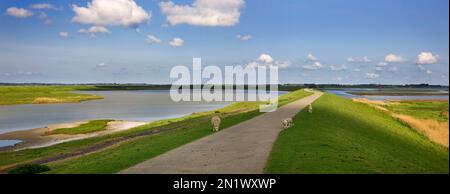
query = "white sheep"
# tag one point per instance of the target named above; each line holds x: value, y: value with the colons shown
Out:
x: 286, y: 123
x: 215, y: 121
x: 310, y: 108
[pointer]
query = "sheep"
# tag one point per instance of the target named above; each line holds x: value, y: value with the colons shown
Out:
x: 215, y: 121
x: 286, y: 123
x: 310, y: 110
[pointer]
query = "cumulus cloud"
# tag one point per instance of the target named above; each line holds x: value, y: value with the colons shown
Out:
x: 265, y: 58
x: 266, y: 61
x: 363, y: 59
x: 94, y: 30
x: 151, y: 39
x: 244, y: 37
x: 18, y: 12
x: 311, y: 57
x: 111, y: 12
x: 314, y: 66
x: 64, y: 34
x: 338, y: 68
x: 45, y: 6
x: 392, y: 58
x: 176, y: 42
x: 372, y: 75
x: 203, y: 12
x: 425, y: 58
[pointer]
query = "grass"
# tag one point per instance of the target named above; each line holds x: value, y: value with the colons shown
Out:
x: 10, y: 95
x: 342, y: 136
x: 436, y: 110
x: 180, y: 131
x: 89, y: 127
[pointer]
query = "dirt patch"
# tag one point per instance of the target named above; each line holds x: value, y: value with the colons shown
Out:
x: 436, y: 131
x: 46, y: 100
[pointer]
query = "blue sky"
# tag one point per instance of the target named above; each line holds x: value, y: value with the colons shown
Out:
x: 316, y: 41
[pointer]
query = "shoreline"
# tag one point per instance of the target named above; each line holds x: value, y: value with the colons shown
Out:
x: 38, y: 137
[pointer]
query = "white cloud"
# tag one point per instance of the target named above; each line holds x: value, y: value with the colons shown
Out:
x: 101, y: 65
x: 356, y: 70
x: 392, y: 58
x: 379, y: 69
x: 372, y: 75
x: 427, y: 58
x: 244, y: 37
x: 266, y: 61
x: 338, y: 68
x: 176, y: 42
x: 311, y: 57
x: 283, y: 64
x: 64, y: 34
x: 18, y: 12
x: 46, y: 6
x: 363, y: 59
x: 203, y: 12
x: 94, y: 30
x: 265, y: 58
x: 382, y: 64
x: 314, y: 66
x: 111, y: 12
x: 151, y: 39
x: 421, y: 67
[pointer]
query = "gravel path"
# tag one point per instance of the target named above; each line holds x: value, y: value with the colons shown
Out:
x: 243, y: 148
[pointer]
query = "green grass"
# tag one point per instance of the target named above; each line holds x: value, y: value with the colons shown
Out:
x: 183, y: 130
x: 342, y: 136
x: 89, y: 127
x: 10, y: 95
x: 436, y: 110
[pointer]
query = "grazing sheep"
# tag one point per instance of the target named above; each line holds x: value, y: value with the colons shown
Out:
x: 215, y: 121
x: 310, y: 108
x: 286, y: 123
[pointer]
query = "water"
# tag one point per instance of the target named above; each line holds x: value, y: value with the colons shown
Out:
x: 145, y: 105
x: 4, y: 143
x: 344, y: 93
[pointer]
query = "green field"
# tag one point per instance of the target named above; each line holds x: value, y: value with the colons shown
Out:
x: 10, y: 95
x: 176, y: 132
x: 342, y: 136
x: 89, y: 127
x: 435, y: 110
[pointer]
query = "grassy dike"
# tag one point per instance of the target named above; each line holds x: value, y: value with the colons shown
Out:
x: 174, y: 133
x: 342, y: 136
x: 11, y: 95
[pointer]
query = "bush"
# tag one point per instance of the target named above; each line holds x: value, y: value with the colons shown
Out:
x: 29, y: 169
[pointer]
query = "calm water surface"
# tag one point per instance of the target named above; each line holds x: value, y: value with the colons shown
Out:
x: 143, y: 105
x: 344, y: 93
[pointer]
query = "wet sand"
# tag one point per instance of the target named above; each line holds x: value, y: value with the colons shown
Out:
x: 37, y: 138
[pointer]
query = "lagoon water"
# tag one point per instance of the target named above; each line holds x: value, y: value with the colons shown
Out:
x: 344, y: 93
x: 145, y: 105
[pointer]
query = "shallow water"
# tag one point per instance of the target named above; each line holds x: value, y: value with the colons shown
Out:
x: 344, y: 93
x: 145, y: 105
x: 4, y: 143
